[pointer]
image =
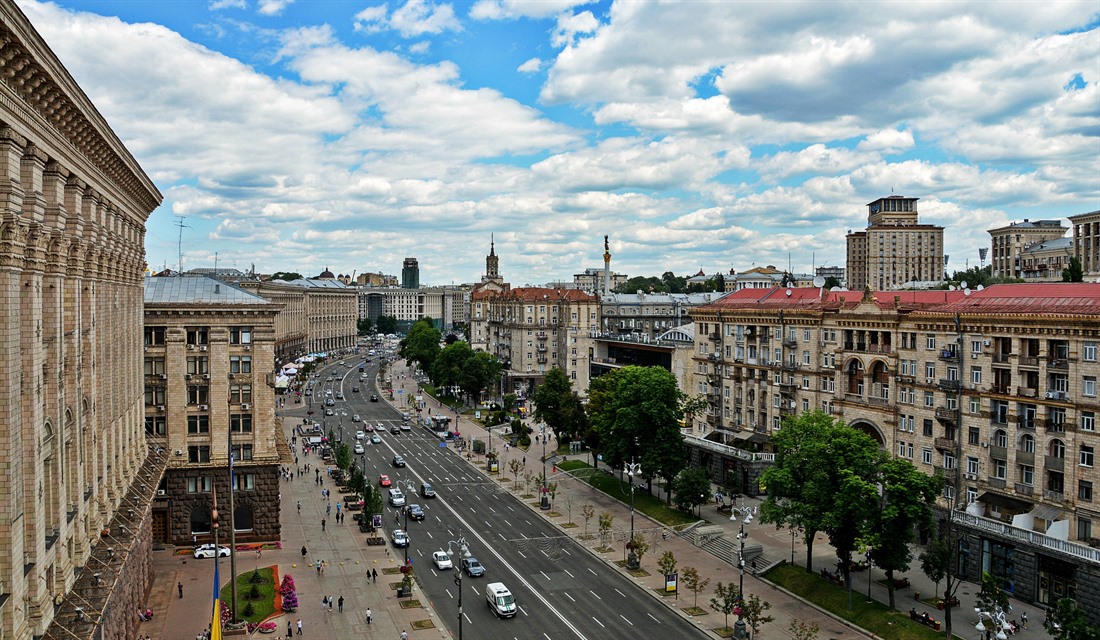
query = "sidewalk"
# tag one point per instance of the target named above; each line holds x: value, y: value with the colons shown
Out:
x: 777, y: 546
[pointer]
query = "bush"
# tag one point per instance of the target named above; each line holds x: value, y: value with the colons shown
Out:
x: 256, y: 578
x: 248, y: 611
x: 478, y: 447
x: 253, y: 593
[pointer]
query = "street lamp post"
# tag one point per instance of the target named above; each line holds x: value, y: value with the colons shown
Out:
x: 997, y: 623
x: 632, y: 469
x: 744, y: 514
x: 464, y: 550
x: 544, y: 502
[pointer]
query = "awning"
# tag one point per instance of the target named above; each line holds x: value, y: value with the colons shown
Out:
x: 1046, y: 512
x: 751, y: 436
x: 1014, y: 504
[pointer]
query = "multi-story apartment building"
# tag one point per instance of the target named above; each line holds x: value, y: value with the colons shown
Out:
x: 1010, y: 243
x: 331, y: 314
x: 209, y: 349
x: 291, y: 322
x: 74, y: 500
x: 532, y: 330
x: 1086, y: 243
x: 672, y: 350
x: 645, y: 316
x: 894, y: 248
x: 995, y: 390
x: 446, y: 306
x: 1044, y: 261
x: 592, y: 280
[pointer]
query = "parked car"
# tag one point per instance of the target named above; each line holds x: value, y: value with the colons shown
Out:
x: 208, y: 551
x: 442, y: 561
x: 472, y: 567
x: 399, y: 538
x: 398, y: 461
x: 416, y: 512
x: 384, y: 480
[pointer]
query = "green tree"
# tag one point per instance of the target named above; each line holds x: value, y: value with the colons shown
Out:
x: 449, y: 363
x: 1073, y: 272
x: 644, y: 284
x: 557, y: 405
x: 667, y: 563
x: 1065, y: 621
x: 635, y: 413
x: 803, y: 630
x: 387, y: 324
x: 286, y: 275
x: 934, y: 562
x: 363, y: 326
x: 639, y: 545
x: 906, y: 503
x: 421, y: 345
x: 674, y: 283
x: 691, y: 487
x: 694, y: 583
x: 343, y: 455
x: 478, y: 374
x: 604, y: 524
x: 587, y: 512
x: 725, y: 600
x: 754, y: 611
x: 832, y: 282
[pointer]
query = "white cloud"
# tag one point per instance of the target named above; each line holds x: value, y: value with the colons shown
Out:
x: 414, y: 18
x: 532, y: 65
x: 216, y: 5
x: 272, y: 7
x: 507, y: 9
x: 572, y: 25
x: 887, y: 141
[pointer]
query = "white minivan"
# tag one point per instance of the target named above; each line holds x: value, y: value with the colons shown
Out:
x: 397, y: 499
x: 500, y: 600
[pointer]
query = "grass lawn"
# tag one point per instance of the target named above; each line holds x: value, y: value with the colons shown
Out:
x: 874, y: 617
x: 643, y: 502
x: 263, y: 606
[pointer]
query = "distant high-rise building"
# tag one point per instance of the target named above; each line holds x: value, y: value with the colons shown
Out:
x: 894, y: 248
x: 410, y: 274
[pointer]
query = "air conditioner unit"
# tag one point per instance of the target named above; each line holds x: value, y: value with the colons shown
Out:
x: 973, y: 356
x: 986, y: 343
x: 202, y: 348
x: 248, y: 347
x: 245, y: 406
x: 204, y: 407
x: 187, y: 376
x: 164, y: 376
x: 206, y: 376
x: 232, y: 376
x: 160, y: 407
x: 985, y: 445
x: 190, y: 346
x: 161, y: 492
x: 971, y: 476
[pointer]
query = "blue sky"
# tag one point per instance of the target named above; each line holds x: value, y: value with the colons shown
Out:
x: 302, y: 135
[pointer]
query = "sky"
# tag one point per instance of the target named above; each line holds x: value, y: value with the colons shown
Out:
x: 300, y: 135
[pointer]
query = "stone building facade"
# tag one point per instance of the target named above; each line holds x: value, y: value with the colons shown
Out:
x: 1086, y: 243
x: 208, y: 361
x: 291, y: 323
x: 1010, y: 244
x: 894, y: 248
x: 73, y: 206
x: 995, y: 390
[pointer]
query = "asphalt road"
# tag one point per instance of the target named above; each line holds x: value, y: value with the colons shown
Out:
x: 561, y: 590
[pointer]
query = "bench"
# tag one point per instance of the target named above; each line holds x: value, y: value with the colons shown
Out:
x: 924, y: 619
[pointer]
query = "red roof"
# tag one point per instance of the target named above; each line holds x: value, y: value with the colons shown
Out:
x: 1076, y: 298
x: 535, y: 294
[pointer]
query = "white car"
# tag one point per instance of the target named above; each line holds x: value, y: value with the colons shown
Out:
x: 442, y: 560
x: 359, y: 435
x: 207, y: 551
x: 355, y: 418
x: 358, y: 448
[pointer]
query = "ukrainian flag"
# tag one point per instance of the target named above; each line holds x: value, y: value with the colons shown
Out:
x: 216, y: 623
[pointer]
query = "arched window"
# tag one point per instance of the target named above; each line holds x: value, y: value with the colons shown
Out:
x: 1056, y: 449
x: 200, y: 520
x: 242, y: 518
x: 1000, y: 438
x: 1027, y: 443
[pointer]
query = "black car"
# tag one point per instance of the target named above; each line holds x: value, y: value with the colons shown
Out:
x: 373, y: 398
x: 395, y: 429
x: 426, y: 491
x: 355, y: 389
x: 398, y: 461
x: 416, y: 512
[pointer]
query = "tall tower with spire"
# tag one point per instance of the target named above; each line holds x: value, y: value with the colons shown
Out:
x: 492, y: 265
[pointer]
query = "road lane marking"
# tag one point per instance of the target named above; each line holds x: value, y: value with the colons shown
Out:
x: 598, y: 622
x: 620, y: 593
x: 625, y: 619
x: 594, y: 594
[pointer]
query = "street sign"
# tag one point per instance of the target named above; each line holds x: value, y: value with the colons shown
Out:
x: 442, y: 444
x: 670, y: 582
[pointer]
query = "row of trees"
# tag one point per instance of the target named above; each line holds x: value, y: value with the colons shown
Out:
x: 386, y: 324
x: 455, y: 365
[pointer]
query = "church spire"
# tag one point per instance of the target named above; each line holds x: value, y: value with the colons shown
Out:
x: 492, y: 263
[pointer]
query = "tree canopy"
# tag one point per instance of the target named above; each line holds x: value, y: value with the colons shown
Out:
x: 421, y: 345
x: 387, y: 324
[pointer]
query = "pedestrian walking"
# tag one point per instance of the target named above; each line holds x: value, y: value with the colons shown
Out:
x: 340, y: 604
x: 303, y: 551
x: 194, y: 540
x: 404, y: 635
x: 179, y: 587
x: 370, y: 616
x: 330, y: 604
x: 289, y: 628
x: 324, y: 603
x: 1023, y: 619
x: 299, y: 507
x: 374, y: 576
x: 322, y: 524
x: 299, y: 626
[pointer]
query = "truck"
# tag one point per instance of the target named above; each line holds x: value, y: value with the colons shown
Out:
x: 500, y: 599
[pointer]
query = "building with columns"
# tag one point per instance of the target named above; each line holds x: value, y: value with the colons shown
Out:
x: 209, y: 349
x: 894, y: 248
x: 1011, y: 244
x: 995, y: 390
x: 76, y: 495
x: 1086, y: 243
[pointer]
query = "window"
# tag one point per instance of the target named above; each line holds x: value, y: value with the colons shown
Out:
x: 930, y: 342
x: 1089, y: 386
x: 1027, y: 443
x: 1056, y: 449
x: 242, y: 452
x: 156, y: 425
x: 926, y: 456
x: 929, y: 399
x: 976, y: 375
x: 244, y: 481
x: 975, y: 405
x: 1088, y: 421
x: 1084, y: 528
x: 973, y: 435
x: 806, y: 357
x: 975, y: 346
x: 239, y: 393
x: 1089, y: 351
x: 154, y: 336
x: 198, y: 453
x: 198, y: 335
x: 240, y: 422
x: 1027, y: 475
x: 200, y: 484
x: 1000, y: 438
x: 930, y: 371
x: 948, y: 461
x: 243, y: 364
x: 154, y: 396
x: 927, y: 428
x: 200, y: 520
x: 1000, y: 469
x: 198, y: 424
x: 198, y: 394
x: 154, y: 366
x: 1084, y: 490
x: 972, y: 465
x: 198, y: 365
x: 1086, y: 456
x: 240, y: 335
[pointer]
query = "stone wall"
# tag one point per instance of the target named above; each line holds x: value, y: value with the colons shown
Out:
x: 263, y: 500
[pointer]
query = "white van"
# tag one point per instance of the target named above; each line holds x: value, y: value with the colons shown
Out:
x: 397, y: 499
x: 500, y: 600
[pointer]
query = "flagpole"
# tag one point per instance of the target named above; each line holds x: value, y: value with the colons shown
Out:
x: 216, y: 622
x: 232, y: 524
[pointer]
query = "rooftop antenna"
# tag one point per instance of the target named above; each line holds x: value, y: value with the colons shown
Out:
x: 215, y: 264
x: 179, y: 242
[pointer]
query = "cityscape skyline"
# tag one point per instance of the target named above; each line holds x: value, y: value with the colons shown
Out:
x: 297, y: 136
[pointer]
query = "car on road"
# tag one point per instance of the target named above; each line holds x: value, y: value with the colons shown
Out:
x: 472, y: 567
x: 358, y: 448
x: 399, y: 538
x: 384, y: 480
x: 368, y: 428
x: 373, y: 398
x: 359, y: 435
x: 355, y: 418
x: 405, y: 426
x: 416, y: 512
x: 395, y: 429
x: 339, y: 395
x: 397, y: 499
x: 329, y: 412
x: 355, y: 389
x: 442, y: 561
x: 398, y: 461
x: 426, y: 491
x: 208, y: 551
x: 375, y: 439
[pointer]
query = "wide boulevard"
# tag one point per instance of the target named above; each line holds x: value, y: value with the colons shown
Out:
x: 562, y: 590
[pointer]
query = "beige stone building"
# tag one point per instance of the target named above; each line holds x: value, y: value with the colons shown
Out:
x: 894, y: 248
x: 995, y: 390
x: 208, y: 354
x: 74, y: 500
x: 1086, y: 243
x: 331, y: 314
x: 1011, y: 242
x: 532, y: 330
x: 291, y: 323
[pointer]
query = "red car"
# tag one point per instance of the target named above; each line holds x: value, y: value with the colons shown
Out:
x: 384, y: 480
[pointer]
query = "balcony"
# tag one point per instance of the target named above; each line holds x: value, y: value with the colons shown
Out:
x: 998, y: 453
x: 1029, y: 361
x: 878, y: 402
x: 541, y: 348
x: 1025, y: 457
x: 790, y: 343
x: 1070, y: 549
x: 789, y: 366
x: 1027, y: 392
x: 1054, y: 463
x: 541, y: 335
x: 1025, y: 422
x: 944, y: 444
x: 1024, y: 489
x: 1058, y: 363
x: 1056, y: 496
x: 946, y: 415
x: 949, y: 385
x: 1001, y: 389
x: 951, y: 355
x: 1001, y: 358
